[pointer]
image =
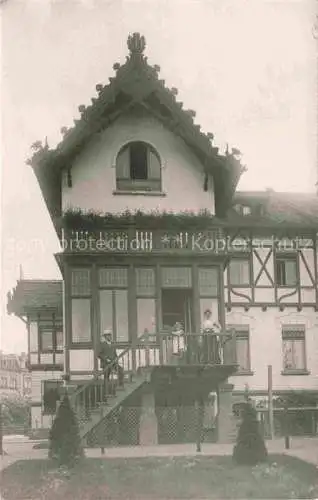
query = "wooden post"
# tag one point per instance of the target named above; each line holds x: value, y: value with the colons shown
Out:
x: 270, y: 401
x: 199, y: 418
x: 286, y: 426
x: 132, y: 314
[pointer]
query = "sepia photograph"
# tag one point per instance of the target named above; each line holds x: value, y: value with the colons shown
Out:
x: 159, y: 249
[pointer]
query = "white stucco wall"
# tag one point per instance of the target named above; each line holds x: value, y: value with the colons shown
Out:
x: 266, y: 347
x: 94, y: 172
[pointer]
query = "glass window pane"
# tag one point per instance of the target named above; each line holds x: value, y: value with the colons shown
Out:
x: 290, y: 271
x: 81, y: 320
x: 50, y: 396
x: 122, y: 164
x: 299, y: 353
x: 33, y: 336
x: 59, y: 339
x: 294, y: 354
x: 106, y: 310
x: 242, y: 352
x: 176, y: 277
x: 154, y: 166
x: 208, y: 281
x: 239, y: 272
x: 46, y: 340
x: 81, y: 282
x: 146, y: 316
x: 113, y: 277
x: 121, y: 298
x: 145, y: 281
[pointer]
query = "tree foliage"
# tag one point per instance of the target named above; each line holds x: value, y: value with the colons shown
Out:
x: 250, y: 447
x: 15, y: 413
x: 64, y: 440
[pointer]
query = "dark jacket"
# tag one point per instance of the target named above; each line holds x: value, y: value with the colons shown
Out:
x: 107, y: 353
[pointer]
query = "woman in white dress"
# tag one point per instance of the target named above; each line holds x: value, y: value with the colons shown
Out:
x: 211, y: 341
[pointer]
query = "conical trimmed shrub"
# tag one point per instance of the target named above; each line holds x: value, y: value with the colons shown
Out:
x: 64, y: 441
x: 250, y: 447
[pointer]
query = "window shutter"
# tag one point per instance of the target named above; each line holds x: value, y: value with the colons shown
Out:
x: 123, y: 164
x: 154, y: 167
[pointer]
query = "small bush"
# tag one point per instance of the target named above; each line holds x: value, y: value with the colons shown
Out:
x: 250, y: 448
x: 64, y: 440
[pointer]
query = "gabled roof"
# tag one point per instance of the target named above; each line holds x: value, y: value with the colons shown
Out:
x: 35, y: 295
x: 136, y: 85
x: 299, y: 210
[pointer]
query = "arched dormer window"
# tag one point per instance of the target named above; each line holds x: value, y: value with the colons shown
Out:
x: 138, y: 168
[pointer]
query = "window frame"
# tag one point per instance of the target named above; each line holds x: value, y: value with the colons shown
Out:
x: 74, y: 296
x: 243, y: 284
x: 283, y: 257
x: 290, y: 333
x: 243, y: 332
x: 58, y: 383
x: 147, y: 185
x: 54, y: 329
x: 113, y: 288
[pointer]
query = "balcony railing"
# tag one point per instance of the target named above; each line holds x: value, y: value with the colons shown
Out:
x: 186, y: 349
x: 132, y: 240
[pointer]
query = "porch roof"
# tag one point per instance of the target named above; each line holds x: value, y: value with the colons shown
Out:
x: 34, y: 296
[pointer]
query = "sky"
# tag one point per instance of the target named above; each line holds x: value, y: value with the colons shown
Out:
x: 247, y: 67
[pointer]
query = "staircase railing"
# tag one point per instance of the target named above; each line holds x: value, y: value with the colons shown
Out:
x: 146, y: 351
x: 98, y: 391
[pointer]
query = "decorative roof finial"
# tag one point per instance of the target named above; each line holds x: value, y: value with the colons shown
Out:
x: 136, y: 43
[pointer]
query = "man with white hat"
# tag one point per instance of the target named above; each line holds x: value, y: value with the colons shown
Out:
x: 109, y: 359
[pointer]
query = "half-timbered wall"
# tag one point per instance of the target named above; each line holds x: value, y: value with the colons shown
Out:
x: 273, y: 274
x: 271, y: 294
x: 94, y: 172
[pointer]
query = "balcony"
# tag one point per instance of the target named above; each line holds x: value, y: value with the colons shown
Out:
x: 199, y: 362
x: 185, y: 351
x: 129, y: 240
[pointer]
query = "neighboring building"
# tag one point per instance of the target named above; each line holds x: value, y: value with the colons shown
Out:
x: 153, y: 233
x: 39, y: 303
x: 15, y: 377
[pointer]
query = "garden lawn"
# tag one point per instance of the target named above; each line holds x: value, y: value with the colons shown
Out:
x: 161, y: 478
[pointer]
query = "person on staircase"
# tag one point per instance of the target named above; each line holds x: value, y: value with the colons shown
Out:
x: 109, y: 360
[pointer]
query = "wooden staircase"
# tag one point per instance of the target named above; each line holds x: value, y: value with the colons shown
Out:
x: 103, y: 409
x: 94, y: 400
